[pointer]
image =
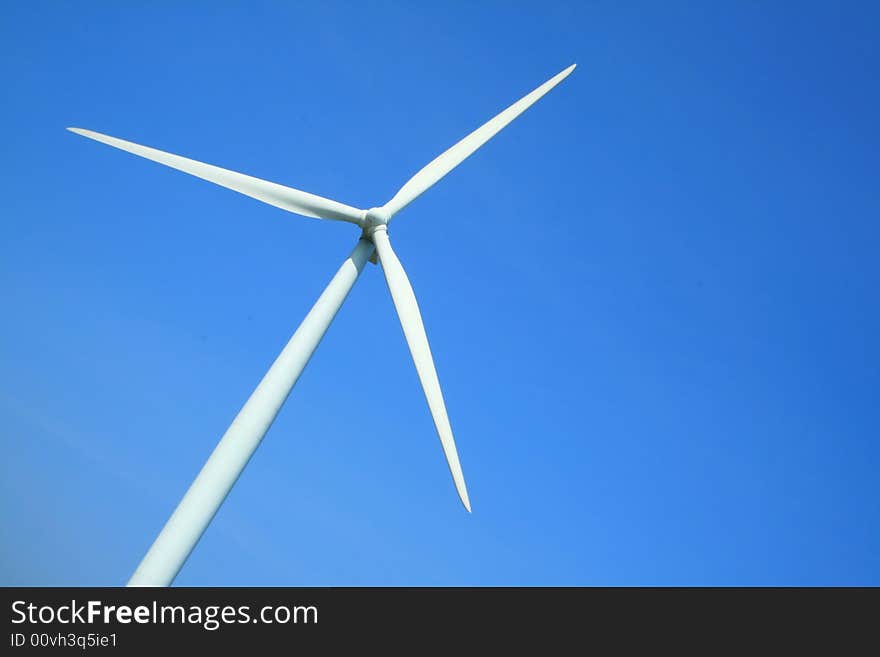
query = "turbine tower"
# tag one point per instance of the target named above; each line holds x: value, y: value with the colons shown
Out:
x: 198, y: 506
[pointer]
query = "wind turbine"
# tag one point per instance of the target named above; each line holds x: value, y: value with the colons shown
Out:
x: 184, y: 528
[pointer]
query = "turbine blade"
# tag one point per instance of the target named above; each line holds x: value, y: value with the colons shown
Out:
x: 451, y: 158
x: 286, y: 198
x: 414, y: 331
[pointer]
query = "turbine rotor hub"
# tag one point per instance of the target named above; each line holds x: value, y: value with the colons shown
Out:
x: 376, y: 217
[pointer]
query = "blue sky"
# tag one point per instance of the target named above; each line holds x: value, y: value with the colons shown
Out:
x: 652, y: 299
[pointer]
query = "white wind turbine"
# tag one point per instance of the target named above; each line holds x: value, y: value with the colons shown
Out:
x: 180, y: 534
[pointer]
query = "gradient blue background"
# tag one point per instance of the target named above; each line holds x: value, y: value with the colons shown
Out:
x: 652, y: 299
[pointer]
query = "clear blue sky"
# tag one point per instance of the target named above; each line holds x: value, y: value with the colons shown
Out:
x: 652, y: 299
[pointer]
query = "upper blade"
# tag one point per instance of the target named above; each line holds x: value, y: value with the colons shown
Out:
x: 414, y: 331
x: 286, y: 198
x: 451, y: 158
